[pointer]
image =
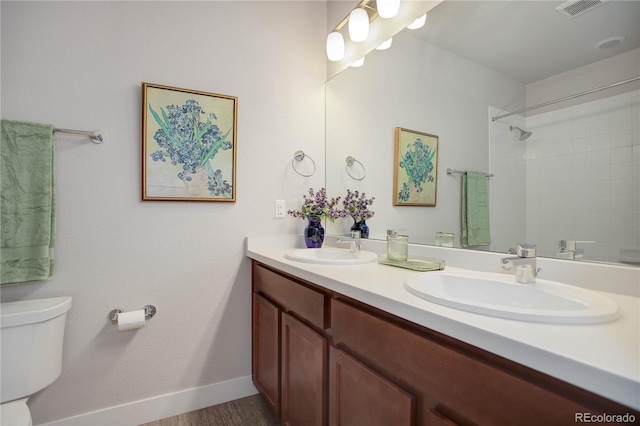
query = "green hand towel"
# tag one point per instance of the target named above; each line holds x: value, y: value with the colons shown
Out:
x: 27, y: 201
x: 475, y: 210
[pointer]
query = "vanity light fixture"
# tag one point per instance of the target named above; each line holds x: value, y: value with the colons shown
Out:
x: 335, y: 46
x: 387, y: 8
x: 358, y: 25
x: 418, y: 23
x: 385, y: 44
x: 358, y: 63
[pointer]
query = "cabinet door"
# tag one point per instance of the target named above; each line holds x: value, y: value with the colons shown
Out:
x: 304, y: 356
x: 266, y: 350
x: 360, y: 396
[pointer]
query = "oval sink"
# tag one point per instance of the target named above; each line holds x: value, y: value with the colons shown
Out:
x: 331, y: 256
x: 491, y: 294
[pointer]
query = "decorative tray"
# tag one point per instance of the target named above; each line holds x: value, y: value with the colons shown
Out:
x: 421, y: 264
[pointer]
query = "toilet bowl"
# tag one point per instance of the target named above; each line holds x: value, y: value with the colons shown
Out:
x: 31, y: 337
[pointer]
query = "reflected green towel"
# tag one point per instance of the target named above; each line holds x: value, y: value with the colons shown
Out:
x: 27, y: 201
x: 475, y: 210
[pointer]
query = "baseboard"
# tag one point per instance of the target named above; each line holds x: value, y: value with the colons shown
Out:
x: 159, y: 407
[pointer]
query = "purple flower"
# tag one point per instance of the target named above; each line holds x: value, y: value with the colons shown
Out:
x: 316, y: 204
x: 357, y: 204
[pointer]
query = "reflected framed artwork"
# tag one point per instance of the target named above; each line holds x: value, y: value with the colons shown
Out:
x: 188, y: 145
x: 415, y: 168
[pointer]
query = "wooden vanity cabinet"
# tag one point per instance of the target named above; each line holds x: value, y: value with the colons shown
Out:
x: 455, y: 383
x: 289, y: 348
x: 320, y: 358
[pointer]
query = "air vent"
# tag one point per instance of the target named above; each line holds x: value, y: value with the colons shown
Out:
x: 571, y: 9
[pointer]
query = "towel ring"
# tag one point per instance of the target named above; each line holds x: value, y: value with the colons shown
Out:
x: 299, y: 156
x: 349, y: 162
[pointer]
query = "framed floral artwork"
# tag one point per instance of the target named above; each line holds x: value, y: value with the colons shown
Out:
x: 188, y: 145
x: 415, y: 168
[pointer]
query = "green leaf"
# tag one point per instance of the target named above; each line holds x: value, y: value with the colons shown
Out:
x: 214, y: 149
x: 204, y: 130
x: 163, y: 126
x: 165, y: 117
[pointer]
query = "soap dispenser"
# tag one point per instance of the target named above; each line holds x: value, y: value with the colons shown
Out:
x: 397, y: 245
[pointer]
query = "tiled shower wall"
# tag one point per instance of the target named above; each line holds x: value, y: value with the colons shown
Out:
x: 583, y: 178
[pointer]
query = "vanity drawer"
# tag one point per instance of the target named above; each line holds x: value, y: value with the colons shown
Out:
x: 293, y: 297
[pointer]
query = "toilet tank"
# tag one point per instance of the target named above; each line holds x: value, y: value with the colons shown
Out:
x: 31, y: 336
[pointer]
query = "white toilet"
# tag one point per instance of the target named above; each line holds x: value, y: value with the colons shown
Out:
x: 31, y: 336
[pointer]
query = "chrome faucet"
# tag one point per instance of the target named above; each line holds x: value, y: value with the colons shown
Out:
x: 353, y: 239
x: 567, y: 249
x: 524, y: 262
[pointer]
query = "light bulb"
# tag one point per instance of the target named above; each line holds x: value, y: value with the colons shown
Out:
x: 358, y: 25
x: 335, y: 46
x: 358, y: 63
x: 418, y: 23
x: 385, y: 44
x: 388, y: 8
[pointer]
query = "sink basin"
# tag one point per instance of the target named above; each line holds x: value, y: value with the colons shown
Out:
x: 331, y: 256
x: 500, y: 296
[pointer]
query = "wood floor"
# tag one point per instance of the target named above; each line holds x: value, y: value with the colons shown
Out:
x: 249, y: 411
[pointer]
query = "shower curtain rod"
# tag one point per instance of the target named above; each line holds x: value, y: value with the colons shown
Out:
x: 566, y: 98
x: 96, y: 136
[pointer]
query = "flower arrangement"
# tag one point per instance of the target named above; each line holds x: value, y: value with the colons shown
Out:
x: 185, y: 139
x: 316, y: 205
x: 418, y: 163
x: 357, y: 204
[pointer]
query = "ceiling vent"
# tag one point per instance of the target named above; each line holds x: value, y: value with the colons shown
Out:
x: 571, y: 9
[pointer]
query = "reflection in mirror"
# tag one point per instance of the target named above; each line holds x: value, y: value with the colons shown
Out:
x: 575, y: 177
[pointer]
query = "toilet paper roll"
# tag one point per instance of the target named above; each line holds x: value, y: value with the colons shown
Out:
x: 131, y: 320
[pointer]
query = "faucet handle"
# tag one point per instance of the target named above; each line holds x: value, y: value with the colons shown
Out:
x: 526, y: 250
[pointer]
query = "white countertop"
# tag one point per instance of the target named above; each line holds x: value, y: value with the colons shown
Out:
x: 602, y: 358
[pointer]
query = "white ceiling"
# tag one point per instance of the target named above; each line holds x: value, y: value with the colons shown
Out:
x: 530, y: 40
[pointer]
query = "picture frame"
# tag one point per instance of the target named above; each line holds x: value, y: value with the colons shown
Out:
x: 189, y: 144
x: 415, y: 168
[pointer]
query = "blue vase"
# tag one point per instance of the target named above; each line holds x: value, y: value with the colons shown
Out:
x: 314, y: 233
x: 362, y: 227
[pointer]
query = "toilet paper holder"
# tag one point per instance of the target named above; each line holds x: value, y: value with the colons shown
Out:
x: 149, y: 311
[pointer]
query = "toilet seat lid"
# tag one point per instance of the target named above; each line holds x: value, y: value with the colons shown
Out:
x: 15, y: 413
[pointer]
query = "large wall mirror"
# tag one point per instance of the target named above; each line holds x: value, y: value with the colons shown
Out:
x: 575, y: 177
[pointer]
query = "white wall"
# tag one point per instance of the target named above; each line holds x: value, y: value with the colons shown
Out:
x: 80, y: 65
x: 418, y: 86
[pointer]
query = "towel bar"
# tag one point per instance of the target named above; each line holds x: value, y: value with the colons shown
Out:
x: 451, y: 171
x: 96, y: 136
